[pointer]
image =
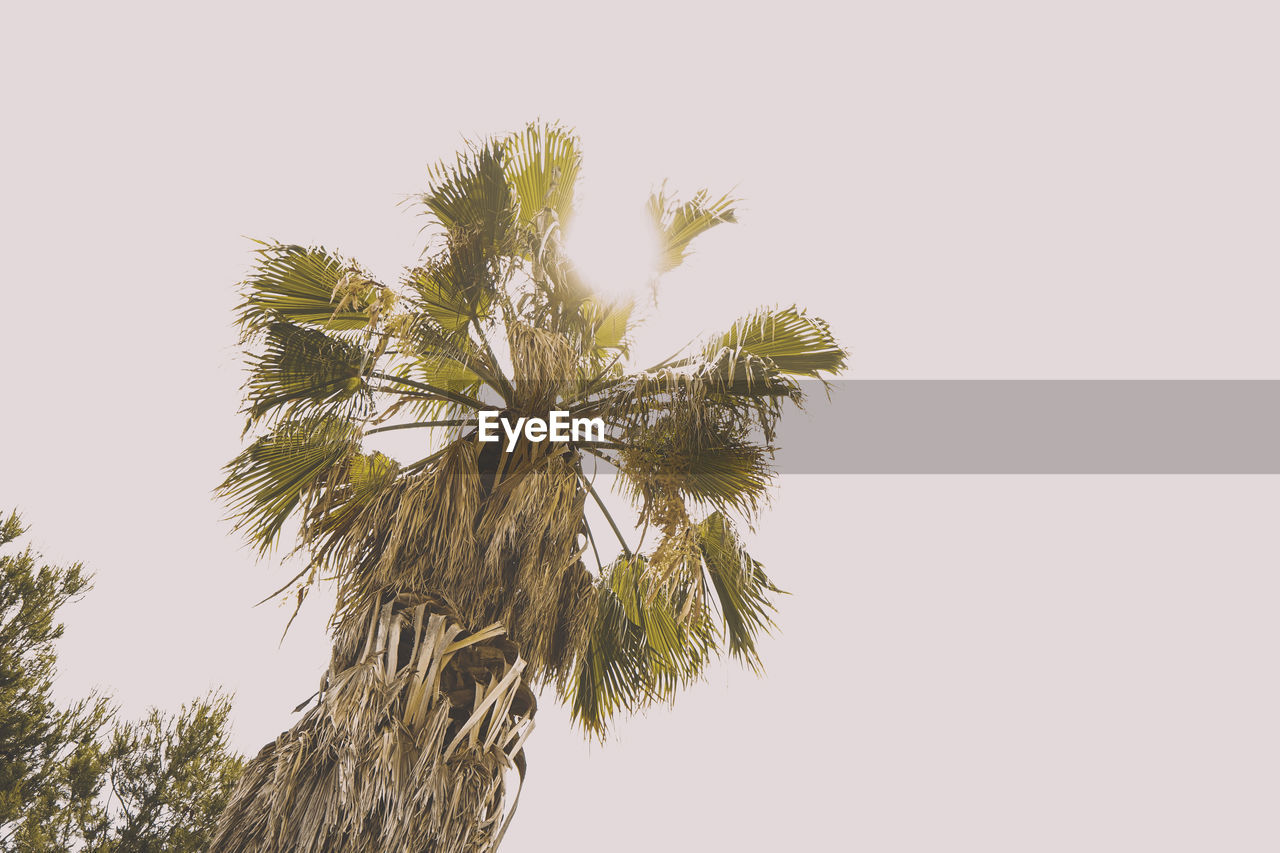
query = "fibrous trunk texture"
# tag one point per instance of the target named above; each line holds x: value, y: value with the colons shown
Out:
x: 417, y: 732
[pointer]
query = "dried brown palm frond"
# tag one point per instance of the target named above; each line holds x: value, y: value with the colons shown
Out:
x: 508, y: 553
x: 416, y: 736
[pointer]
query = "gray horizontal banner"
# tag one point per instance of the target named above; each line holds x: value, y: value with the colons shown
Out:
x: 1035, y: 427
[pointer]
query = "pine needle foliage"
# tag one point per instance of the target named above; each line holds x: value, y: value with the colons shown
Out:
x: 76, y: 778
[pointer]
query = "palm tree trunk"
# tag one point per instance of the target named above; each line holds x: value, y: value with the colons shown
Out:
x: 410, y: 746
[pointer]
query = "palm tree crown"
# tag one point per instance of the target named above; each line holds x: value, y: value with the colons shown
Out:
x: 463, y: 575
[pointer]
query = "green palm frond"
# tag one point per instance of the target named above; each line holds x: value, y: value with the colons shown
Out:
x: 648, y: 642
x: 734, y: 373
x: 472, y: 200
x: 453, y: 292
x: 787, y: 338
x: 678, y: 223
x: 446, y: 359
x: 705, y: 455
x: 674, y: 651
x: 439, y: 371
x: 609, y: 324
x: 737, y: 384
x: 734, y: 475
x: 295, y: 284
x: 741, y: 586
x: 612, y: 675
x: 542, y: 166
x: 447, y: 371
x: 639, y: 652
x: 304, y: 371
x: 275, y: 474
x: 365, y: 476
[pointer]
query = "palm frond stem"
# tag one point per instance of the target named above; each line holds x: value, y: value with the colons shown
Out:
x: 290, y: 583
x: 416, y: 424
x: 460, y: 399
x: 592, y: 539
x: 499, y: 379
x: 426, y: 460
x: 626, y: 549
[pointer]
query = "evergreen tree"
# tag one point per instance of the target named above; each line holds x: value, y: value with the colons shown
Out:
x: 75, y: 778
x: 169, y: 777
x: 51, y: 759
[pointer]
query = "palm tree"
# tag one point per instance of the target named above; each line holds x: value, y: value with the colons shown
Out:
x: 462, y: 578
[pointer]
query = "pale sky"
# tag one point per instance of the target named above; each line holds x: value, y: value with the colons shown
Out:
x: 977, y: 190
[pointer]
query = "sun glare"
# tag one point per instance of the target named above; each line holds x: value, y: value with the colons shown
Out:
x: 614, y: 245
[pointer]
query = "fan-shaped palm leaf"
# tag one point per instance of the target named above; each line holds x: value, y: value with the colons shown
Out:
x: 270, y: 480
x: 542, y: 166
x: 301, y: 372
x: 679, y: 223
x: 788, y: 338
x: 294, y: 284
